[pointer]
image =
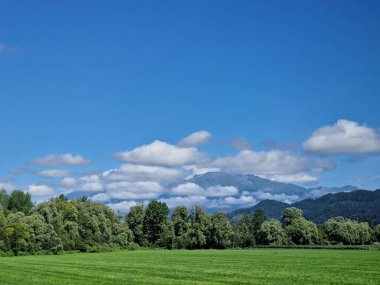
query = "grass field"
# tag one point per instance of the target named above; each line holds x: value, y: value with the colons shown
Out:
x: 257, y: 266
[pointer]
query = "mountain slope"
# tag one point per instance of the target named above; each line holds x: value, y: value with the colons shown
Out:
x: 358, y: 205
x: 246, y: 182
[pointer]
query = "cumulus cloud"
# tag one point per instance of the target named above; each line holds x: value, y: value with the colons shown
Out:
x: 91, y: 183
x: 161, y: 153
x: 40, y: 190
x: 197, y: 138
x: 344, y: 137
x: 134, y: 190
x: 195, y: 170
x: 134, y: 172
x: 68, y: 182
x: 273, y: 162
x: 66, y: 159
x: 53, y: 173
x: 122, y: 207
x: 242, y: 200
x: 194, y: 189
x: 260, y: 195
x: 187, y: 201
x: 101, y: 197
x: 293, y: 178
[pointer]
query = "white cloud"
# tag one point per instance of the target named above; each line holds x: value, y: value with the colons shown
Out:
x: 260, y: 195
x: 195, y: 170
x: 242, y: 200
x: 66, y: 159
x: 101, y: 197
x: 292, y: 178
x: 40, y: 190
x: 134, y: 172
x: 197, y: 138
x: 194, y: 189
x: 53, y: 173
x: 187, y: 201
x: 68, y: 182
x: 344, y: 137
x: 161, y: 153
x: 123, y: 206
x: 273, y: 162
x: 134, y: 190
x: 91, y: 183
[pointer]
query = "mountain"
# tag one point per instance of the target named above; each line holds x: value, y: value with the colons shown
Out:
x: 246, y: 182
x: 360, y: 205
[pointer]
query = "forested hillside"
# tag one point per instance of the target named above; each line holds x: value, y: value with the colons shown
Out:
x: 360, y: 205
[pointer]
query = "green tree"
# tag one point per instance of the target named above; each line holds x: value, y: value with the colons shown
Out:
x: 302, y: 232
x: 20, y: 202
x: 4, y: 199
x: 3, y: 236
x: 273, y: 233
x: 244, y: 236
x: 221, y: 231
x: 181, y: 224
x: 17, y: 234
x: 155, y: 216
x: 257, y: 220
x: 200, y: 228
x: 167, y: 237
x: 134, y: 219
x: 291, y: 214
x: 346, y: 231
x: 376, y: 233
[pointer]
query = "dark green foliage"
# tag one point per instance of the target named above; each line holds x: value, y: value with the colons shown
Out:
x: 154, y: 220
x: 272, y: 233
x: 244, y: 236
x: 4, y: 199
x: 19, y: 201
x: 134, y: 219
x: 200, y: 228
x: 359, y: 205
x: 59, y: 224
x: 258, y: 218
x: 221, y: 231
x: 181, y: 224
x: 83, y: 225
x: 345, y: 231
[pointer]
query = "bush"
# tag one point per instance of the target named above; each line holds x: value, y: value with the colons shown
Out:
x: 133, y: 246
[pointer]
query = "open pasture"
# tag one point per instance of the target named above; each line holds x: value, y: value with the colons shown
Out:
x: 255, y: 266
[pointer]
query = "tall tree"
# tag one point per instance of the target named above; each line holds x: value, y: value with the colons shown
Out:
x: 181, y: 225
x: 134, y: 218
x: 4, y: 199
x: 244, y: 236
x: 20, y: 202
x: 153, y: 224
x: 291, y: 214
x: 221, y: 231
x: 200, y: 228
x: 257, y: 220
x: 273, y: 233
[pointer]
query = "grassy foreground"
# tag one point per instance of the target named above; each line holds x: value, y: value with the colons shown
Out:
x: 257, y: 266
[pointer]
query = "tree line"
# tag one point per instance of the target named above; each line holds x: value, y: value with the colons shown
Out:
x: 83, y: 225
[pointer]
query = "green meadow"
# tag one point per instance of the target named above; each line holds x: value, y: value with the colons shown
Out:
x: 254, y: 266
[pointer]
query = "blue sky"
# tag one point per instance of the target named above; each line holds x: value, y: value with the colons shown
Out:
x: 92, y: 79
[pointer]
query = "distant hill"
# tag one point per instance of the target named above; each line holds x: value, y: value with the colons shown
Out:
x: 360, y: 205
x: 246, y: 182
